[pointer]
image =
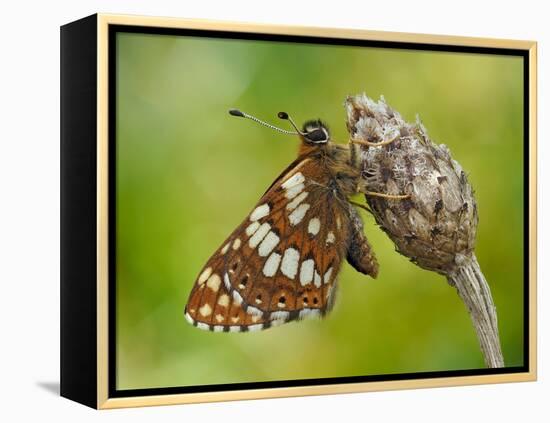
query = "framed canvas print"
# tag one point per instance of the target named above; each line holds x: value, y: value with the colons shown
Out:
x: 252, y: 211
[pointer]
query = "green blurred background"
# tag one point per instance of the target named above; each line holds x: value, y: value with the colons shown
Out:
x: 188, y: 174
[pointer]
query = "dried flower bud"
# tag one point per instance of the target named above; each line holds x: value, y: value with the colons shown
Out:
x: 436, y: 226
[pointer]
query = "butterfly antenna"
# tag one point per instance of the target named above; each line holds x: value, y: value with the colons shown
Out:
x: 285, y: 116
x: 238, y: 113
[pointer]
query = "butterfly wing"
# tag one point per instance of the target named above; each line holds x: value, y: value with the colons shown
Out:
x: 282, y: 262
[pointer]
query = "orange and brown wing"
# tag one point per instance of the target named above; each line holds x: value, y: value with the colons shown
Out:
x: 282, y: 262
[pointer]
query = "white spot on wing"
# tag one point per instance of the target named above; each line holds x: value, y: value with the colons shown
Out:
x: 306, y: 271
x: 234, y: 328
x: 279, y: 315
x: 236, y: 244
x: 214, y: 282
x: 328, y: 274
x: 294, y: 191
x: 289, y: 266
x: 253, y: 227
x: 314, y: 226
x: 331, y: 238
x: 254, y: 311
x: 223, y: 300
x: 237, y: 299
x: 307, y: 313
x: 317, y: 279
x: 297, y: 215
x: 294, y: 203
x: 218, y: 328
x: 189, y: 318
x: 268, y: 244
x: 254, y: 328
x: 203, y: 326
x: 205, y: 310
x: 271, y: 265
x: 226, y: 281
x: 259, y: 212
x: 295, y: 179
x: 219, y: 318
x: 259, y: 235
x: 205, y: 275
x: 225, y: 248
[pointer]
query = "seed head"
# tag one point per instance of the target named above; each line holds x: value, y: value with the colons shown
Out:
x: 436, y: 227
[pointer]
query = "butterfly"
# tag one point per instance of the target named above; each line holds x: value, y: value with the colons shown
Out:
x: 282, y: 262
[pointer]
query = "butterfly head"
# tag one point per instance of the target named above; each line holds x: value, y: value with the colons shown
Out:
x: 315, y: 132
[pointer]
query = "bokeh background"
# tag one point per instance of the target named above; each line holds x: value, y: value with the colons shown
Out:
x: 188, y: 174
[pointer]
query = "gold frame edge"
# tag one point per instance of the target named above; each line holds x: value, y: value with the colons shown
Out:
x: 533, y: 169
x: 102, y: 213
x: 103, y: 400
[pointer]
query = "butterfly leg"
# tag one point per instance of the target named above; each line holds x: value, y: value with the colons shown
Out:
x: 355, y: 148
x: 373, y: 144
x: 360, y: 254
x: 388, y: 196
x: 362, y: 187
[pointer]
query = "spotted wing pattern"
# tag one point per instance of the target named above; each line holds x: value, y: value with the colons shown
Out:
x: 281, y: 264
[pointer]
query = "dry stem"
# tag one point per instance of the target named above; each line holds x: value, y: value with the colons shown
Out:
x: 474, y: 291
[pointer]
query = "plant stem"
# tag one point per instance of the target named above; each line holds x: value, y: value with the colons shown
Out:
x: 474, y: 291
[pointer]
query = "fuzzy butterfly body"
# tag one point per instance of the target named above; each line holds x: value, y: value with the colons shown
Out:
x: 282, y: 262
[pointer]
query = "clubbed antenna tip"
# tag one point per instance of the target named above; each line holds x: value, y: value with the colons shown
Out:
x: 236, y: 112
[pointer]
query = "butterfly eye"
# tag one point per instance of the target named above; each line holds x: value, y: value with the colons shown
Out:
x: 317, y: 136
x: 315, y: 132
